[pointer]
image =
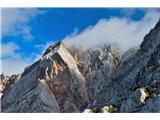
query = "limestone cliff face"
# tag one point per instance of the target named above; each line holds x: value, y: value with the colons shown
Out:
x: 98, y: 66
x: 134, y: 85
x: 52, y: 84
x: 65, y: 80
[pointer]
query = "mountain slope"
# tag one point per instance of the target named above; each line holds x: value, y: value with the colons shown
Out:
x: 134, y: 85
x: 51, y: 83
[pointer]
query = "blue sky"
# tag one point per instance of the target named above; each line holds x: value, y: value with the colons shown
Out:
x: 27, y: 32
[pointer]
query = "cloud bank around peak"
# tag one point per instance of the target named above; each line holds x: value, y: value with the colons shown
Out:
x: 123, y: 32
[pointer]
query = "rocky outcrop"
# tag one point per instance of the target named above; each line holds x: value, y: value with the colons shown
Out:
x: 6, y: 82
x: 65, y: 80
x: 52, y: 84
x: 98, y: 65
x: 28, y: 95
x: 137, y: 71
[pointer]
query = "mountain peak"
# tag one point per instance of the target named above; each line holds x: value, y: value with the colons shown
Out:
x: 57, y: 74
x: 54, y: 47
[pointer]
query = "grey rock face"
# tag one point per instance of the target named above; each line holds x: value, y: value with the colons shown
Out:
x: 152, y: 105
x: 129, y: 53
x: 70, y: 107
x: 28, y: 95
x: 6, y: 82
x: 37, y: 99
x: 131, y: 103
x: 98, y: 64
x: 137, y: 71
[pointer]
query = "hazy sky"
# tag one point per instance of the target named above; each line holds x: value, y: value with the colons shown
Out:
x: 27, y: 32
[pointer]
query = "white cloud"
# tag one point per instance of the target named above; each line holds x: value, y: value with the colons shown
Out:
x: 8, y: 49
x: 122, y: 32
x: 14, y: 63
x: 15, y: 21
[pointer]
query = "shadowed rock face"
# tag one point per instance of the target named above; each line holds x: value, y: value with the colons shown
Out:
x: 98, y: 65
x: 136, y: 71
x: 101, y: 80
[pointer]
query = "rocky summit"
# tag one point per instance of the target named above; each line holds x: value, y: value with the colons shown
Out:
x: 100, y: 79
x: 52, y: 84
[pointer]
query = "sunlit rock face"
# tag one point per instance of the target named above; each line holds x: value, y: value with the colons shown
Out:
x: 52, y: 84
x: 65, y: 80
